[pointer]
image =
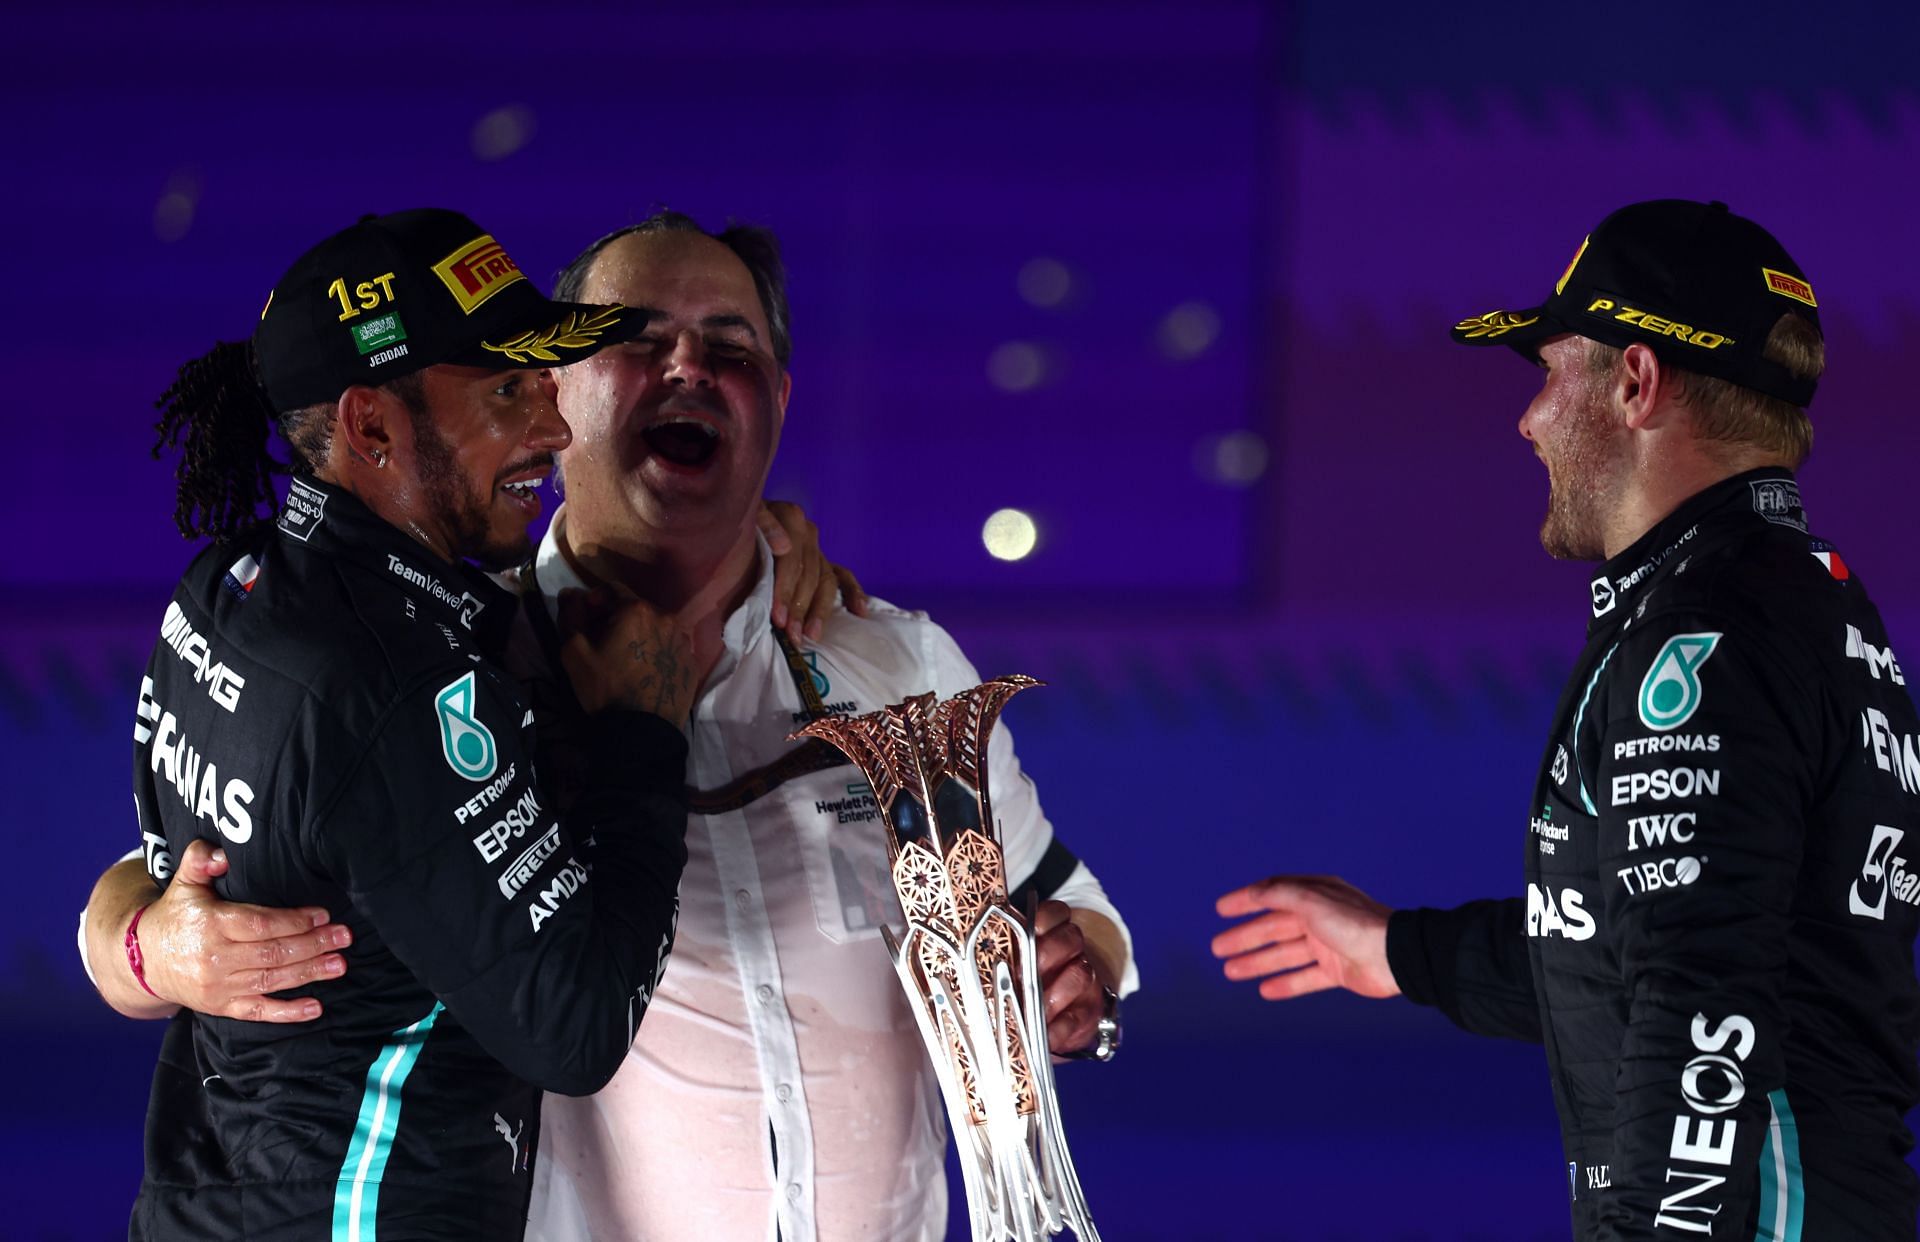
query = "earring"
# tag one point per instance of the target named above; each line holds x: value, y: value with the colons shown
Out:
x: 379, y: 459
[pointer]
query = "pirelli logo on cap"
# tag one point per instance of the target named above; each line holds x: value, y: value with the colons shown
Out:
x: 1560, y: 286
x: 477, y: 271
x: 1789, y: 286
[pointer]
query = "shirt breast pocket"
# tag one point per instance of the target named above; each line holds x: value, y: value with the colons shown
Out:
x: 843, y: 845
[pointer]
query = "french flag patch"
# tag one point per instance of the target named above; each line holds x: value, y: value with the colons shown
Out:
x: 241, y: 577
x: 1835, y: 566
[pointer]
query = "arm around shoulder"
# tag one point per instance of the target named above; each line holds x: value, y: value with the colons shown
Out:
x: 197, y: 951
x: 122, y: 892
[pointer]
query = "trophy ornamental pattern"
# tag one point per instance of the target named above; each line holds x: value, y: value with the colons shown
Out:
x: 967, y: 958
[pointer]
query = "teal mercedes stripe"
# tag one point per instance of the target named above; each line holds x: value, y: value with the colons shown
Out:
x: 1782, y: 1190
x: 356, y: 1197
x: 1592, y: 681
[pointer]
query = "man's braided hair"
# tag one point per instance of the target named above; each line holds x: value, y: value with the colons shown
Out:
x: 218, y: 416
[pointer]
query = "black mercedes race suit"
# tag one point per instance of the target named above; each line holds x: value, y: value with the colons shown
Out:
x: 1716, y: 945
x: 323, y: 705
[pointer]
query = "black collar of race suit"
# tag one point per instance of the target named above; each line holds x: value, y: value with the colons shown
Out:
x: 1766, y: 495
x: 335, y: 521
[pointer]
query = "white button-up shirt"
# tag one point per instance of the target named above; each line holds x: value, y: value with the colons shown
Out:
x: 778, y: 1081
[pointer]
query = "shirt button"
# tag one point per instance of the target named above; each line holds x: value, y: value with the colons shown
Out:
x: 742, y: 898
x: 793, y: 1192
x: 764, y: 992
x: 783, y: 1093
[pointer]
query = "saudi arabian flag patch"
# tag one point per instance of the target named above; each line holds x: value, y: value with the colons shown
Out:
x: 468, y: 744
x: 1670, y: 692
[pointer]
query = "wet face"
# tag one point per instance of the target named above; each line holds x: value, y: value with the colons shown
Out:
x: 482, y: 443
x: 675, y: 430
x: 1574, y: 432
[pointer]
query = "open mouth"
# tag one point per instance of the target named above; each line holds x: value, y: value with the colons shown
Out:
x: 683, y: 441
x: 522, y: 488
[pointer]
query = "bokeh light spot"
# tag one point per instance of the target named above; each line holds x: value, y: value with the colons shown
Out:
x: 173, y: 212
x: 1188, y: 330
x: 1010, y: 534
x: 1045, y: 282
x: 501, y: 132
x: 1236, y: 459
x: 1017, y: 366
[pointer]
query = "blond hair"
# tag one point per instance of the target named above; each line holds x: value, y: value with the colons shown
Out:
x: 1725, y: 411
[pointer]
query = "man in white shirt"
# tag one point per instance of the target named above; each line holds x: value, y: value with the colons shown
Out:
x: 778, y: 1087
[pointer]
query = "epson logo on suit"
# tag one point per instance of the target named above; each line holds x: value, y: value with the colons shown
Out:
x: 1664, y: 783
x: 512, y: 825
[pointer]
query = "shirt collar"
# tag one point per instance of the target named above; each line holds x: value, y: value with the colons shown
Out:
x: 333, y: 520
x: 1767, y: 495
x: 746, y: 626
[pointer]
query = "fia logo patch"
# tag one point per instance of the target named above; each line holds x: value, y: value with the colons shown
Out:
x: 467, y: 744
x: 1778, y: 501
x: 1670, y: 692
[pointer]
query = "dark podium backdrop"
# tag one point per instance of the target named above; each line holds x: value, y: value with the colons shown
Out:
x: 1170, y: 279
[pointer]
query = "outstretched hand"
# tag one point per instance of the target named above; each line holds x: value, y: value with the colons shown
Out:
x: 225, y: 958
x: 1309, y: 933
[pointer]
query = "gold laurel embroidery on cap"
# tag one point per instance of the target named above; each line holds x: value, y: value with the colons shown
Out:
x: 576, y: 331
x: 1492, y: 324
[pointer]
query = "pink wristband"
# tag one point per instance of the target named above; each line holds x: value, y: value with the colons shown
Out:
x: 134, y: 959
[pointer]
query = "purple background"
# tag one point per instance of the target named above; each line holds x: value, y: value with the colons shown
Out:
x: 1343, y: 664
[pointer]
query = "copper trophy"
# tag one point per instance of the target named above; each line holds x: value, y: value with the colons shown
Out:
x: 967, y: 958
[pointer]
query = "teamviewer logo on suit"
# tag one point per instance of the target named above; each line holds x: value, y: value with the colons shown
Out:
x: 467, y: 743
x: 1874, y: 873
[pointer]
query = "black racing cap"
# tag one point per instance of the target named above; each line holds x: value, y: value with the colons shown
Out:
x: 1697, y: 284
x: 398, y: 293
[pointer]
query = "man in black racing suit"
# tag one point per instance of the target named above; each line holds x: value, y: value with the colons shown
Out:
x: 1716, y: 942
x: 325, y: 704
